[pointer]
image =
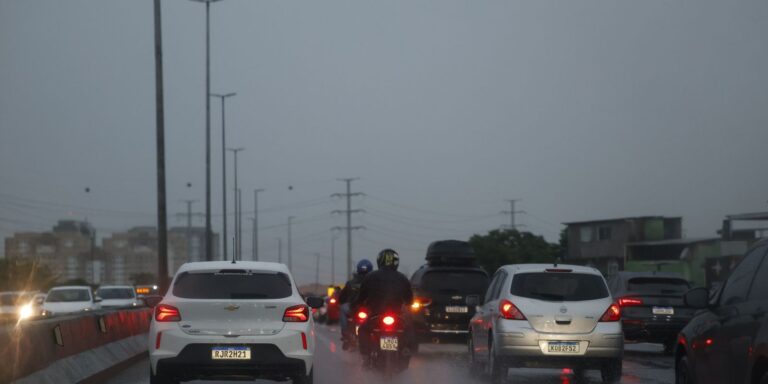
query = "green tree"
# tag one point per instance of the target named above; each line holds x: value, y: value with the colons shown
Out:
x: 502, y: 247
x: 25, y: 275
x: 143, y: 278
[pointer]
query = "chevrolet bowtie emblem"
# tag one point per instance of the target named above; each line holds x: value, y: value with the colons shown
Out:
x: 232, y: 307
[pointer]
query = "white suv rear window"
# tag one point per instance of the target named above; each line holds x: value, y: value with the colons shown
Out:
x: 559, y: 286
x: 232, y: 284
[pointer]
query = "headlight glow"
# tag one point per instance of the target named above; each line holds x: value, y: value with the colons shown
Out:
x: 26, y: 311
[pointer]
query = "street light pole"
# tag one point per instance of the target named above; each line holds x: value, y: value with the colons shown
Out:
x: 290, y: 256
x: 237, y: 233
x: 256, y: 223
x: 208, y: 230
x: 224, y: 166
x: 334, y: 236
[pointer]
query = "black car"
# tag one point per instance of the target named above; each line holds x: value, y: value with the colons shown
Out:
x: 652, y: 308
x: 727, y: 340
x: 441, y: 288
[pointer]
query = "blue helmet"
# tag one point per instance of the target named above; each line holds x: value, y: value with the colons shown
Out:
x: 364, y: 266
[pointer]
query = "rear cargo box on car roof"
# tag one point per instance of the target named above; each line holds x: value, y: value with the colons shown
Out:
x: 450, y: 252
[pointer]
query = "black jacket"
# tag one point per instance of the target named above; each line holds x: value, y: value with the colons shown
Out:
x: 384, y: 289
x: 351, y: 290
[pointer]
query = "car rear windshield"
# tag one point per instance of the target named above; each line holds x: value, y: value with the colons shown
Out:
x: 658, y: 285
x: 232, y: 285
x: 559, y: 286
x: 68, y: 296
x: 455, y: 282
x: 115, y: 293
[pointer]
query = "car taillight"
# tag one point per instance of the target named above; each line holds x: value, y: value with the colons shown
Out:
x: 388, y: 320
x: 332, y: 301
x: 362, y: 315
x: 509, y: 311
x: 613, y: 313
x: 167, y: 313
x: 419, y: 303
x: 630, y: 301
x: 296, y: 314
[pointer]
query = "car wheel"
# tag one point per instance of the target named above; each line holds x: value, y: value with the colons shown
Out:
x: 611, y: 371
x: 475, y: 368
x: 683, y: 371
x: 495, y: 369
x: 159, y: 378
x: 305, y: 379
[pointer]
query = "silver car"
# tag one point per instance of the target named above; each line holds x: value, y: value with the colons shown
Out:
x: 546, y: 316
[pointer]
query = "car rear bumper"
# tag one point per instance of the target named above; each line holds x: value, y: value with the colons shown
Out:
x: 652, y: 330
x: 267, y: 362
x: 527, y: 347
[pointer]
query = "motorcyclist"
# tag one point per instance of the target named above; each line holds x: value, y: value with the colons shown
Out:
x: 349, y: 294
x: 384, y: 290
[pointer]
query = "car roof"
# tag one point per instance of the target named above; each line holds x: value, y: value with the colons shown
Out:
x: 71, y: 287
x: 626, y: 275
x: 217, y: 265
x: 517, y: 268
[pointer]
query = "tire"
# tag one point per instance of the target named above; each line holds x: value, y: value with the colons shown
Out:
x: 611, y: 371
x: 496, y: 371
x: 159, y: 378
x: 684, y: 371
x: 305, y: 379
x: 475, y: 368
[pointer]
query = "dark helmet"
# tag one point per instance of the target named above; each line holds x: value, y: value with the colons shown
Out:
x: 388, y: 258
x: 364, y: 266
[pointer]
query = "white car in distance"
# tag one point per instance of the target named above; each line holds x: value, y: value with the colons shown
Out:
x: 117, y: 296
x: 222, y: 319
x: 70, y: 299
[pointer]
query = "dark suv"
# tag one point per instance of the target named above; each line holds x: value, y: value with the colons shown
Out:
x: 652, y: 308
x: 441, y: 288
x: 727, y: 340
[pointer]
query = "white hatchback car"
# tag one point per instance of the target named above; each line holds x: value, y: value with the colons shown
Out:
x: 70, y: 299
x: 117, y: 296
x: 550, y: 316
x: 222, y: 320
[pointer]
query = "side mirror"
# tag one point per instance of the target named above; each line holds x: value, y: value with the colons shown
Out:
x: 152, y: 301
x: 315, y: 302
x: 473, y: 300
x: 697, y: 298
x: 97, y: 299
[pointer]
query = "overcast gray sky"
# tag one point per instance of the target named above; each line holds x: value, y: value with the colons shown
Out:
x: 583, y: 109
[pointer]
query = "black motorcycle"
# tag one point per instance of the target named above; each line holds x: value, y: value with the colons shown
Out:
x: 389, y: 343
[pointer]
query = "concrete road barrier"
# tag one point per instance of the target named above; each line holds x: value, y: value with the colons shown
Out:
x: 73, y: 348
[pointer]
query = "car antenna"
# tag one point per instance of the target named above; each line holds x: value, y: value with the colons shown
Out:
x: 233, y: 250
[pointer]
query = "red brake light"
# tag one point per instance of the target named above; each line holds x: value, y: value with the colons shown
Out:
x: 509, y: 311
x: 167, y: 313
x: 362, y: 315
x: 558, y: 270
x: 388, y: 320
x: 630, y: 301
x: 296, y: 314
x: 613, y: 313
x: 332, y: 301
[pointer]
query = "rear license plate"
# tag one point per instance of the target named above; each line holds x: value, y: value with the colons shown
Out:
x: 231, y: 353
x: 388, y: 343
x: 563, y: 347
x: 663, y: 311
x: 456, y: 309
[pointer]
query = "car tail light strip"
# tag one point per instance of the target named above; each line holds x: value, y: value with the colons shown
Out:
x: 509, y: 311
x: 296, y: 314
x: 158, y: 339
x: 630, y: 301
x: 167, y: 313
x: 304, y: 340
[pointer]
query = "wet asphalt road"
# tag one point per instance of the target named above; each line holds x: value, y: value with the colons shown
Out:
x: 447, y: 364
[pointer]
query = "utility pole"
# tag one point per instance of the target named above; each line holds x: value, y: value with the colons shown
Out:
x: 511, y: 213
x: 256, y: 223
x: 162, y: 224
x: 239, y: 216
x: 189, y: 227
x: 334, y: 236
x: 280, y: 250
x: 290, y: 256
x: 317, y: 269
x: 224, y: 164
x: 237, y: 234
x: 349, y: 211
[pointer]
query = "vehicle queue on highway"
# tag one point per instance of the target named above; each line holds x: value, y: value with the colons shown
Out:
x: 248, y: 319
